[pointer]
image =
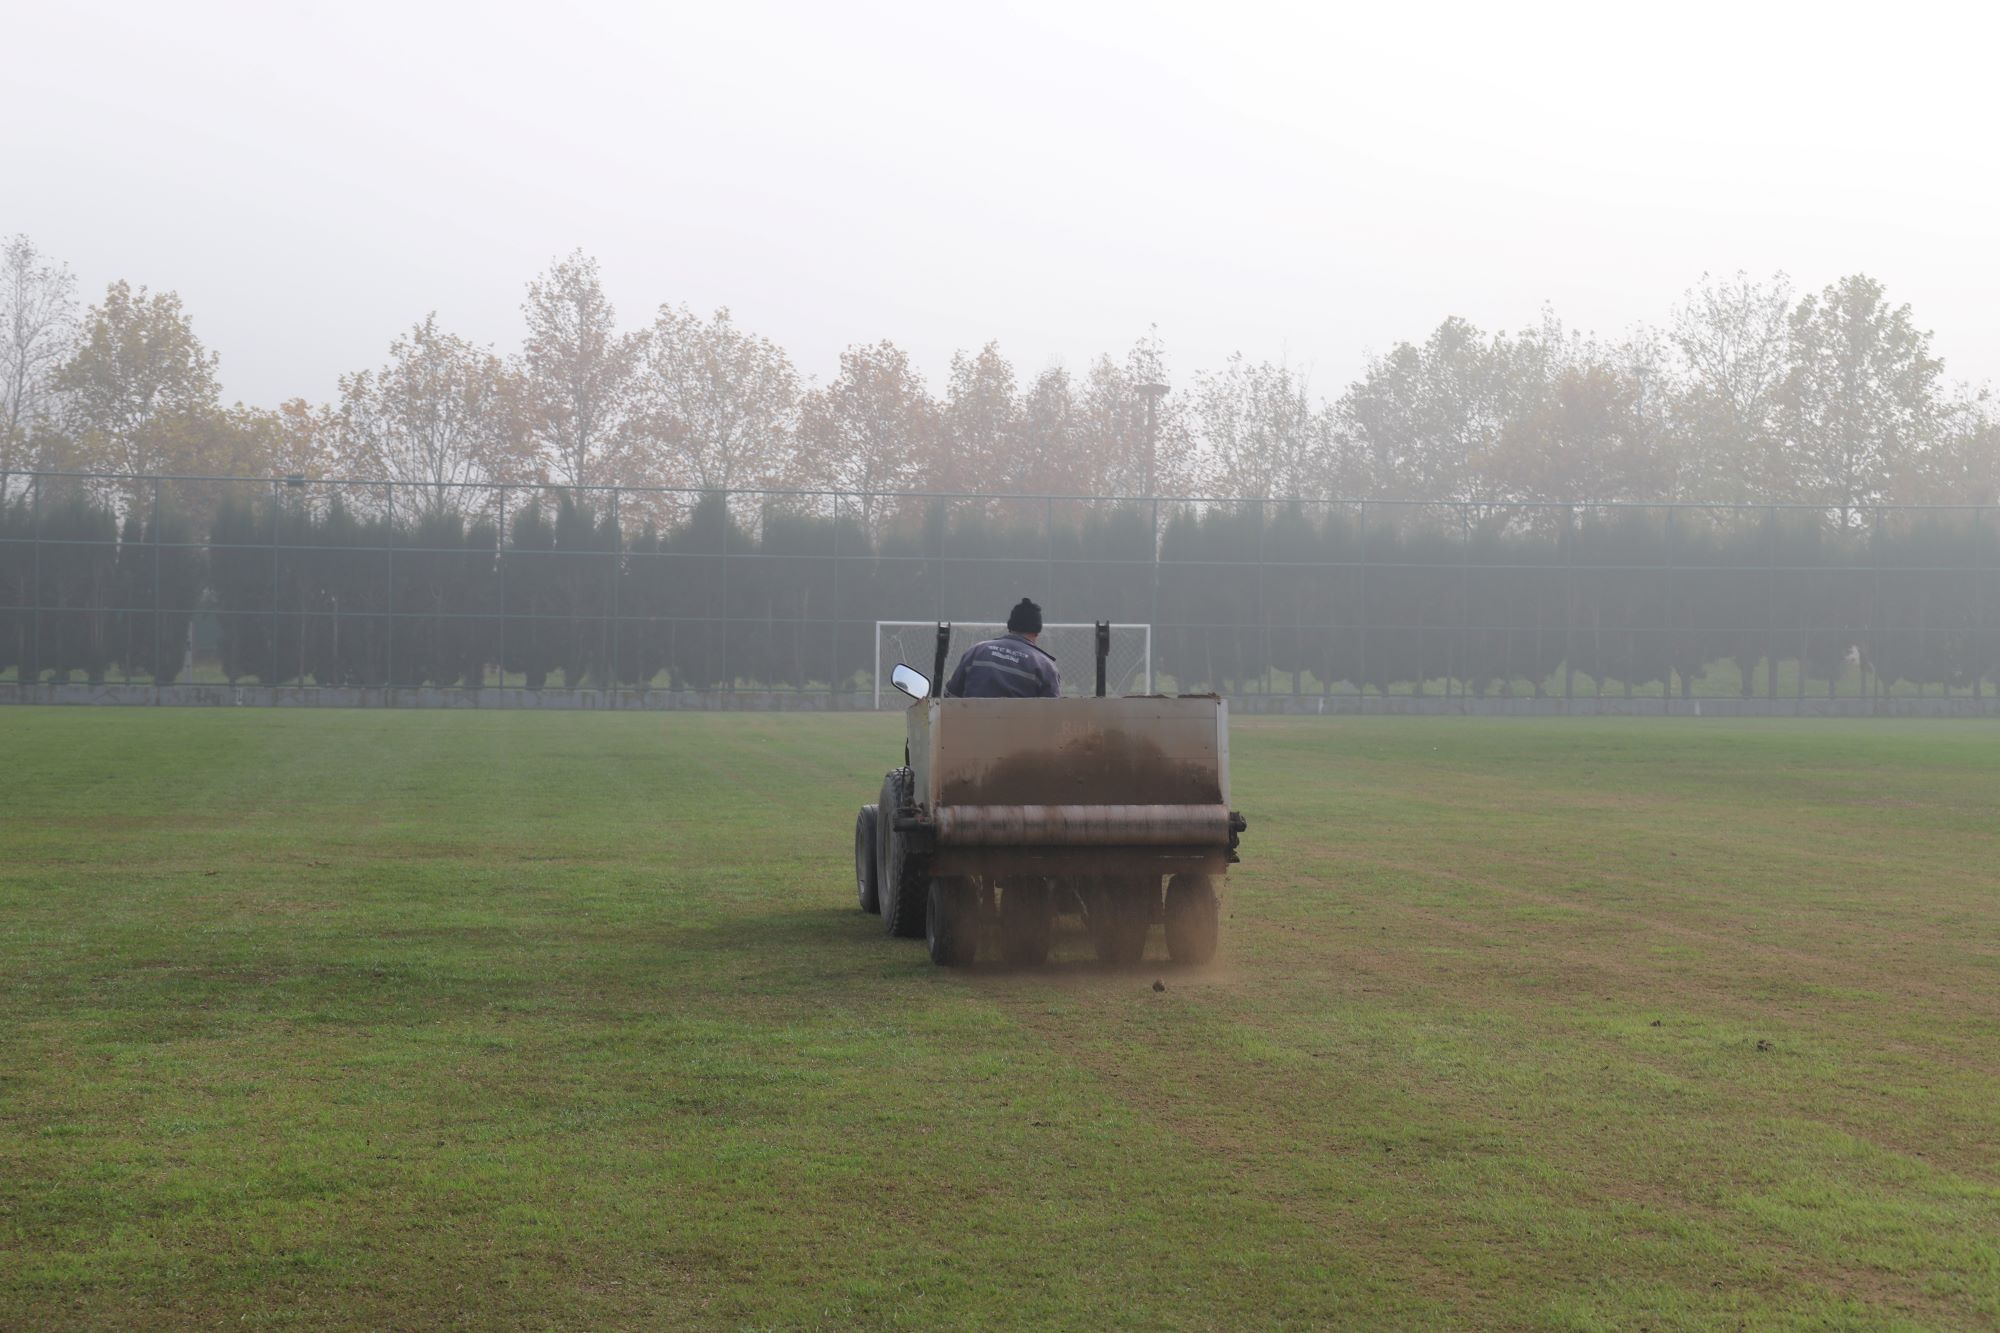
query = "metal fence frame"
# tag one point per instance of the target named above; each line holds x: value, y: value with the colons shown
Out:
x: 146, y: 493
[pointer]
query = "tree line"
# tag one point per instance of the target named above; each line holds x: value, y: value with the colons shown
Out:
x: 572, y: 590
x: 1748, y: 391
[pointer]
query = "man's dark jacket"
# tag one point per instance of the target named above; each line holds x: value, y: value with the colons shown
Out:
x: 1005, y: 668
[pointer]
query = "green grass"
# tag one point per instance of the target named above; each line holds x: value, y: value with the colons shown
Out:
x: 568, y: 1020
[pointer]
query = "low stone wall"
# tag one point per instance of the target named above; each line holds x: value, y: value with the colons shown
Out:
x: 1331, y: 705
x: 426, y: 696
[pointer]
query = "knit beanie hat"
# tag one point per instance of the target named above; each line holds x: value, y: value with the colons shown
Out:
x: 1025, y: 618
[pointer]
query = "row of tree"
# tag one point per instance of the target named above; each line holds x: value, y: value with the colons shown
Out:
x: 79, y: 595
x: 1242, y: 597
x: 1750, y: 391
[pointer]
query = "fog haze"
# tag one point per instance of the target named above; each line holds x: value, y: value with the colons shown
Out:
x: 1289, y: 181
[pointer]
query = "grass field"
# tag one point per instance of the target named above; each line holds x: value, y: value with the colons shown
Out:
x: 568, y: 1020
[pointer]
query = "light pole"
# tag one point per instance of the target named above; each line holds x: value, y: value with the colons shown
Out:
x: 1152, y: 394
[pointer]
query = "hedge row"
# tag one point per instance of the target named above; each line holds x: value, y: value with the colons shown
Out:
x: 327, y: 595
x: 84, y: 597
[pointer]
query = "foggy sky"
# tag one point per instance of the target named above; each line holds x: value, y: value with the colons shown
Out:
x: 1293, y: 181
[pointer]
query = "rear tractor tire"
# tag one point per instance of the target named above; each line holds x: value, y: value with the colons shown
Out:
x: 867, y: 860
x: 902, y: 880
x: 951, y: 925
x: 1193, y: 919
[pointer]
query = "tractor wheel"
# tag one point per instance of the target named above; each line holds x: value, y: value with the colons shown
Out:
x: 1121, y: 915
x: 867, y: 864
x: 951, y: 924
x: 885, y: 817
x: 903, y: 881
x: 1025, y: 918
x: 1193, y: 919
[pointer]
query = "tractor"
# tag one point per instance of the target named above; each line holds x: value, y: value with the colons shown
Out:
x: 1009, y: 813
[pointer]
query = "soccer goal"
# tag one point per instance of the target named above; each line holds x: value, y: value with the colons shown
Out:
x: 1128, y: 670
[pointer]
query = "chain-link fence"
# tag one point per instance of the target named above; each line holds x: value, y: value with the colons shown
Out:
x: 313, y: 583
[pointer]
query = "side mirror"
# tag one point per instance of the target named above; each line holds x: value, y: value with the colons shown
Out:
x: 911, y: 681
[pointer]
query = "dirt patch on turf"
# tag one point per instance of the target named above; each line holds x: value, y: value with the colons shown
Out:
x: 1760, y: 954
x: 1365, y: 1163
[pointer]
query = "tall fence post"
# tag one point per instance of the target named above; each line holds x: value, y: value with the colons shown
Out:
x: 1049, y: 539
x: 389, y: 633
x: 35, y: 504
x: 1569, y: 605
x: 834, y: 618
x: 1461, y: 638
x: 1152, y: 635
x: 1672, y: 609
x: 500, y: 617
x: 277, y: 520
x: 1874, y: 609
x: 616, y: 568
x: 1771, y: 607
x: 1361, y: 599
x: 1263, y: 620
x: 157, y: 611
x: 123, y: 596
x: 728, y: 681
x: 1983, y: 653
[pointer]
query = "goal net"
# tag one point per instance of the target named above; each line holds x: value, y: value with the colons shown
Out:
x: 1128, y: 669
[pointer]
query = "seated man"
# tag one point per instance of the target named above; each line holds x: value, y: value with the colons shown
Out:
x: 1010, y: 667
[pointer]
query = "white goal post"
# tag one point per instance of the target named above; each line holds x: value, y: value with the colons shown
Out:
x: 1127, y: 670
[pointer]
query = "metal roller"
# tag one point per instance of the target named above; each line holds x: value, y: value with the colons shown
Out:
x: 1082, y: 826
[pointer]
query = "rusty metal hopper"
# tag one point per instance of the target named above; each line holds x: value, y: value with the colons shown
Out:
x: 1072, y: 784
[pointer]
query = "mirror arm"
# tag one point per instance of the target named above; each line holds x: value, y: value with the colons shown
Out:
x: 943, y: 650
